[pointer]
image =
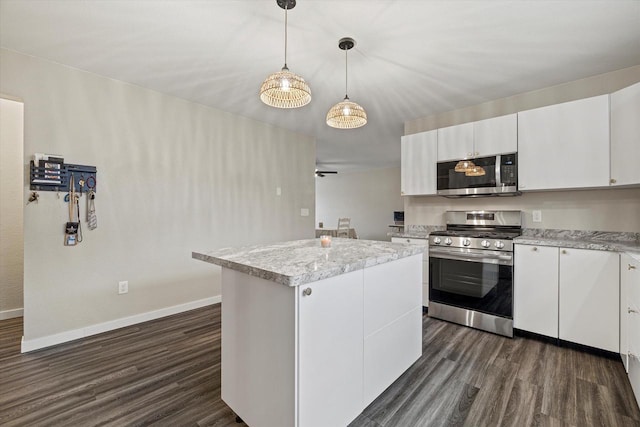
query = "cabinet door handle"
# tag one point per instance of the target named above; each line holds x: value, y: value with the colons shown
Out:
x: 534, y: 249
x: 631, y: 310
x: 632, y: 267
x: 469, y: 154
x: 612, y: 181
x: 306, y: 292
x: 564, y: 251
x: 477, y: 153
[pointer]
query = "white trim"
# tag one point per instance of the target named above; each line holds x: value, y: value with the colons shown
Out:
x: 62, y: 337
x: 10, y: 314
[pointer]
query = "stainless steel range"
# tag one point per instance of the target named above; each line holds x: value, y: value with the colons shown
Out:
x: 471, y: 269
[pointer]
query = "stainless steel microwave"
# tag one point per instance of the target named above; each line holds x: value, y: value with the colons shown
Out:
x: 485, y: 176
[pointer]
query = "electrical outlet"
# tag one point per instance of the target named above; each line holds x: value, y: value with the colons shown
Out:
x: 537, y: 216
x: 123, y: 287
x: 304, y: 212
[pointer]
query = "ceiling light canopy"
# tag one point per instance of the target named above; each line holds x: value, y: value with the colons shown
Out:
x: 285, y: 89
x: 346, y: 114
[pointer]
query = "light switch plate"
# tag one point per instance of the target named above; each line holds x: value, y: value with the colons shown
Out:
x: 278, y: 191
x: 537, y: 216
x: 304, y: 212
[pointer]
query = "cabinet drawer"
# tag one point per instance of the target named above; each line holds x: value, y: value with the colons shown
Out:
x: 413, y: 241
x: 390, y: 291
x: 390, y: 351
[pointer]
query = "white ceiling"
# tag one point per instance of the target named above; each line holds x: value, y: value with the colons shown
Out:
x: 412, y: 59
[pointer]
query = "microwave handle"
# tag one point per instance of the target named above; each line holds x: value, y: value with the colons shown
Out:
x: 498, y: 174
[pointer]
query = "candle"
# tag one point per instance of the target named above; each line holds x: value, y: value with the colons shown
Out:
x: 325, y: 241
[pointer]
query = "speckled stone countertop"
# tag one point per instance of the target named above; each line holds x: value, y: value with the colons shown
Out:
x: 416, y: 231
x: 580, y: 239
x: 298, y: 262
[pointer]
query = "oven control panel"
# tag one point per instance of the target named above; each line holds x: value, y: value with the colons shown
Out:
x: 471, y: 243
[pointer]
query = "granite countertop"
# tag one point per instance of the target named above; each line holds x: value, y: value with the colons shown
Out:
x: 416, y: 231
x: 298, y: 262
x: 595, y: 240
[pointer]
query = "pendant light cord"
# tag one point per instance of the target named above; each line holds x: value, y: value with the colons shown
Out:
x: 286, y: 6
x: 346, y: 73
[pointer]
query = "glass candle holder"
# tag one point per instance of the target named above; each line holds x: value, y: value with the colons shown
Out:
x: 325, y: 241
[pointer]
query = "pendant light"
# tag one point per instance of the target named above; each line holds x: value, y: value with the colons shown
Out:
x: 346, y: 114
x: 285, y: 89
x: 475, y: 171
x: 464, y: 166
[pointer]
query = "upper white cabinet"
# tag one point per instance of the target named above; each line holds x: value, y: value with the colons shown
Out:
x: 418, y: 163
x: 455, y: 142
x: 565, y: 145
x: 625, y: 136
x: 498, y: 135
x: 479, y: 139
x: 590, y: 298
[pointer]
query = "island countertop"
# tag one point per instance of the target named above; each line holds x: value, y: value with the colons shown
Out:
x: 298, y: 262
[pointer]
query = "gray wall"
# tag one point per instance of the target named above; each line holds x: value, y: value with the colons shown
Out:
x: 368, y: 198
x: 173, y: 176
x: 11, y: 188
x: 607, y: 210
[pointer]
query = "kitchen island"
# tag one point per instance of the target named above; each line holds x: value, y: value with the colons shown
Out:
x: 312, y: 335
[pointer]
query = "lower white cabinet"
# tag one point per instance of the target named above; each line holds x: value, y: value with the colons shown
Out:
x: 571, y: 294
x: 425, y: 264
x: 535, y: 293
x: 630, y: 319
x: 590, y: 298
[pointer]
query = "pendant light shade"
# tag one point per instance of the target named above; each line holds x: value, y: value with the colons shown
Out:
x: 475, y: 171
x: 285, y: 89
x: 464, y: 166
x: 346, y: 114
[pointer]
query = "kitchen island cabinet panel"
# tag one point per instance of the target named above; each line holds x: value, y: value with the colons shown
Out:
x: 330, y: 349
x: 564, y: 146
x: 535, y: 293
x: 625, y: 136
x: 590, y: 298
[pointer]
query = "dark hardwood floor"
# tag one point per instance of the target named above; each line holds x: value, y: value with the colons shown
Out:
x: 167, y: 373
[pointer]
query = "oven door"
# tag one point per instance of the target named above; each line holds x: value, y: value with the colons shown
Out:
x: 479, y: 280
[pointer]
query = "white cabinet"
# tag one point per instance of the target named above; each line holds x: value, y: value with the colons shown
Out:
x: 630, y: 319
x: 425, y: 264
x: 478, y: 139
x: 625, y: 136
x: 330, y: 350
x: 535, y: 293
x: 455, y: 142
x: 564, y: 146
x: 590, y: 298
x: 497, y: 135
x: 418, y: 163
x: 571, y: 294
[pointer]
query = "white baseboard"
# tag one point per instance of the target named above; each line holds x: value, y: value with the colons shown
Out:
x: 55, y: 339
x: 10, y: 314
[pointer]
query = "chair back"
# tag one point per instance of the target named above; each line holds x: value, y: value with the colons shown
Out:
x: 344, y: 224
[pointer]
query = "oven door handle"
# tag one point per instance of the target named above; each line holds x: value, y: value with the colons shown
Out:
x: 499, y: 258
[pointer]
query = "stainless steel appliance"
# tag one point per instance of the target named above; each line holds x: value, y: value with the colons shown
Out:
x: 500, y: 178
x: 471, y: 269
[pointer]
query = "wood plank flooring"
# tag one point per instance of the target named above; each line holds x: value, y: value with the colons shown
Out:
x: 167, y: 373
